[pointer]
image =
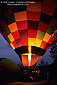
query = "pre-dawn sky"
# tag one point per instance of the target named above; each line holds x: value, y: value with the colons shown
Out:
x: 7, y: 52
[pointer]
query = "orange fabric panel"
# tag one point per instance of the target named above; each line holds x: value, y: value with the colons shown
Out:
x: 25, y: 60
x: 34, y: 59
x: 47, y: 37
x: 13, y: 27
x: 10, y: 37
x: 34, y: 7
x: 20, y: 16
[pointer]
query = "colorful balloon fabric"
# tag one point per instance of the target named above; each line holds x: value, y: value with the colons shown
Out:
x: 29, y: 28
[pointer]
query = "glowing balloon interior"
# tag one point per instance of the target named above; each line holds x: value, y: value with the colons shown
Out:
x: 29, y: 29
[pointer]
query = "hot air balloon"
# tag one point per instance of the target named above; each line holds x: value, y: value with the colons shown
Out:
x: 29, y: 29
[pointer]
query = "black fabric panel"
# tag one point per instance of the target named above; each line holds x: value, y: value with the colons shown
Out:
x: 45, y: 18
x: 34, y: 50
x: 20, y: 50
x: 33, y: 25
x: 38, y: 51
x: 55, y: 14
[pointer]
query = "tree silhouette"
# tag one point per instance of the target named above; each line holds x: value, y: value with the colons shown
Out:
x: 53, y: 51
x: 46, y: 63
x: 42, y: 62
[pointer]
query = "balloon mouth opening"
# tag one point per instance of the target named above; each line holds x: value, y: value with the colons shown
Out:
x: 29, y: 55
x: 29, y: 59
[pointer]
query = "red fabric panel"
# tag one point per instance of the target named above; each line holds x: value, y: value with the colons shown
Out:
x: 32, y: 33
x: 16, y: 35
x: 43, y: 44
x: 14, y: 44
x: 48, y: 10
x: 49, y: 7
x: 53, y: 23
x: 22, y: 25
x: 48, y: 47
x: 23, y: 33
x: 34, y: 16
x: 42, y: 27
x: 24, y: 41
x: 50, y: 40
x: 18, y: 42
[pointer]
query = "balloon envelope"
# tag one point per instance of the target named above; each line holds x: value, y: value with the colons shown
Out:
x: 29, y: 28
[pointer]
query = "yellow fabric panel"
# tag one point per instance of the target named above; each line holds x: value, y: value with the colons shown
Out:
x: 46, y: 37
x: 13, y: 27
x: 31, y: 41
x: 29, y: 48
x: 10, y: 37
x: 12, y: 46
x: 38, y: 42
x: 40, y: 35
x: 20, y: 16
x: 34, y: 7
